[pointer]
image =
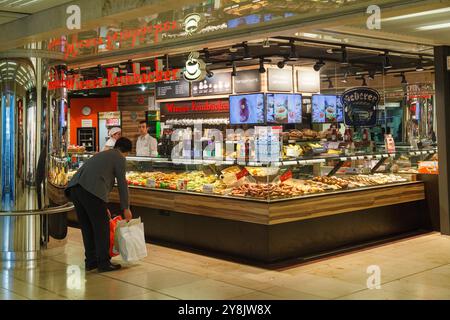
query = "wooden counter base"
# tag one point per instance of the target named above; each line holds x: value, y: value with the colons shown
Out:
x: 272, y: 213
x: 282, y: 230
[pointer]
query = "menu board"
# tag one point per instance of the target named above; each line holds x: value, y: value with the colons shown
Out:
x: 172, y: 89
x: 220, y: 83
x: 247, y: 81
x: 280, y: 79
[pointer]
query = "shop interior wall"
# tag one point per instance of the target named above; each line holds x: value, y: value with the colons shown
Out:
x: 96, y: 105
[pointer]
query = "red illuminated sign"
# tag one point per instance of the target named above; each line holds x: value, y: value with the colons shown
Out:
x: 204, y: 106
x: 74, y: 82
x: 113, y: 40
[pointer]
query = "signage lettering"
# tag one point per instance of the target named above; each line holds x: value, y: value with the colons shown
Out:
x: 75, y: 82
x: 112, y: 41
x: 196, y: 107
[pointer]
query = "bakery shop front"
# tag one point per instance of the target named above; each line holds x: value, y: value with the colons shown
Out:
x: 269, y: 148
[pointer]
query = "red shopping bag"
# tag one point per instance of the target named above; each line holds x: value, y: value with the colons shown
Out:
x: 112, y: 230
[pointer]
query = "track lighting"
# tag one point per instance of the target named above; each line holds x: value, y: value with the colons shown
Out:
x: 372, y: 75
x: 319, y: 64
x: 266, y: 43
x: 207, y: 56
x: 261, y: 66
x: 234, y: 72
x: 344, y: 61
x: 419, y: 66
x: 344, y: 80
x: 404, y: 81
x: 364, y: 81
x: 209, y: 73
x: 246, y: 51
x: 387, y: 63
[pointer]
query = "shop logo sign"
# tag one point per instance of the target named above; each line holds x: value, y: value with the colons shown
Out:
x: 360, y: 106
x: 374, y: 280
x: 192, y: 23
x: 374, y: 20
x: 73, y: 22
x: 195, y: 69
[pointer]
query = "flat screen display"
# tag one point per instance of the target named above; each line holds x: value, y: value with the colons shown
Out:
x: 284, y: 108
x: 327, y: 109
x: 247, y: 109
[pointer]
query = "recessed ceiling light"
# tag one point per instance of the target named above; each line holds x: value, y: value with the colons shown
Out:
x: 434, y: 26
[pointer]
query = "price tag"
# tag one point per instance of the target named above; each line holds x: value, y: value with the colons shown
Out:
x: 378, y: 156
x: 241, y: 163
x: 255, y: 164
x: 289, y: 163
x: 208, y: 188
x: 286, y: 176
x: 151, y: 183
x: 386, y: 155
x: 343, y: 159
x: 243, y: 173
x: 361, y: 158
x: 418, y: 153
x: 302, y: 162
x: 353, y: 158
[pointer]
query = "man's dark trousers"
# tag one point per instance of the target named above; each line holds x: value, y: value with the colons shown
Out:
x: 94, y: 221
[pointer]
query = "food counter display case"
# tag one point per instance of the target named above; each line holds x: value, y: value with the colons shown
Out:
x: 295, y: 208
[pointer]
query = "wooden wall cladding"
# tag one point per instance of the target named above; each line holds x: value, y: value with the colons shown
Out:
x: 134, y: 101
x: 130, y: 123
x: 270, y: 213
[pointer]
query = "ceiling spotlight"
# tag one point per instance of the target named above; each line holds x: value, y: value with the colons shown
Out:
x: 344, y: 80
x: 234, y: 72
x: 209, y: 73
x: 281, y: 64
x: 344, y: 61
x: 419, y: 66
x: 330, y: 83
x: 319, y: 64
x: 207, y: 56
x: 364, y: 81
x: 371, y: 75
x: 143, y: 88
x: 266, y: 43
x: 246, y: 51
x: 387, y: 63
x: 404, y: 81
x: 261, y: 66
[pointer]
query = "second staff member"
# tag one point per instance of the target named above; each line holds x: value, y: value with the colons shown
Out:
x: 146, y: 145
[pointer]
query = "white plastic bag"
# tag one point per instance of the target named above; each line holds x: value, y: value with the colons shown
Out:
x: 130, y: 240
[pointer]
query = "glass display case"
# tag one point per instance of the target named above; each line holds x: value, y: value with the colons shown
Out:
x: 291, y: 178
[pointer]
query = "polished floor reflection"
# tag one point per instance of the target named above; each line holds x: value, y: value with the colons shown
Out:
x: 415, y: 268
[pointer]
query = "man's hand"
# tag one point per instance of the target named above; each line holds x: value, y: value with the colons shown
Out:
x: 127, y: 214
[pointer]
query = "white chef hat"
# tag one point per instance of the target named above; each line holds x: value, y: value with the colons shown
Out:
x: 114, y: 130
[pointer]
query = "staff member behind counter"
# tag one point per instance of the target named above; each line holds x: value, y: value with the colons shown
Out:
x: 146, y: 145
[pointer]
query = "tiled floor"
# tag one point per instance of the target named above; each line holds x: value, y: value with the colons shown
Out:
x: 414, y: 268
